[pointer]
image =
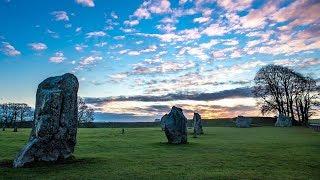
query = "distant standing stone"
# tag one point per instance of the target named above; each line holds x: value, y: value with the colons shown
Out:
x: 283, y: 121
x: 54, y: 133
x: 243, y: 122
x: 122, y: 131
x: 197, y: 124
x: 176, y: 126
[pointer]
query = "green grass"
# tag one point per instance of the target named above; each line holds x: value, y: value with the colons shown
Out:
x: 141, y: 153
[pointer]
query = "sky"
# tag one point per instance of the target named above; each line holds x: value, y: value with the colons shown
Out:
x: 136, y: 59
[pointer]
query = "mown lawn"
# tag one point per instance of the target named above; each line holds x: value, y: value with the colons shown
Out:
x: 141, y: 153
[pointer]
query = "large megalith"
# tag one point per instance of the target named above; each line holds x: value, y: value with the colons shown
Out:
x: 243, y: 122
x: 197, y: 124
x: 283, y: 121
x: 53, y: 136
x: 162, y: 121
x: 176, y: 126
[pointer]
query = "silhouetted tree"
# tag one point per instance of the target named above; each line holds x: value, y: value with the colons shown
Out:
x: 9, y: 112
x: 14, y: 111
x: 24, y: 111
x: 4, y: 112
x: 285, y: 91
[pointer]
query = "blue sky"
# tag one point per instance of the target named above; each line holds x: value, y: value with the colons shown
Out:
x: 136, y: 59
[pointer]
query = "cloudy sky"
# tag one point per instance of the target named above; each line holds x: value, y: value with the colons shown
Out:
x: 136, y: 59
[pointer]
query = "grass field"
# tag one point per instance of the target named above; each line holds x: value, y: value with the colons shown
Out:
x: 141, y: 153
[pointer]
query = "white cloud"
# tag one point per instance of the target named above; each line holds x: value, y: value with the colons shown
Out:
x: 9, y: 50
x: 101, y: 44
x: 235, y: 54
x: 58, y: 57
x: 201, y: 19
x: 218, y: 54
x: 215, y: 30
x: 80, y: 47
x: 209, y: 44
x: 88, y: 3
x: 114, y: 15
x: 89, y: 60
x: 38, y: 46
x: 78, y: 29
x: 131, y: 23
x: 160, y: 7
x: 151, y: 48
x: 96, y: 34
x: 60, y: 15
x: 166, y: 27
x: 133, y: 53
x: 231, y: 42
x: 142, y: 13
x: 123, y: 51
x: 302, y: 63
x: 194, y: 51
x: 119, y: 37
x: 118, y: 76
x: 150, y: 67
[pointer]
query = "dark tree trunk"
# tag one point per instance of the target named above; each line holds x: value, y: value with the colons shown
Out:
x: 15, y: 128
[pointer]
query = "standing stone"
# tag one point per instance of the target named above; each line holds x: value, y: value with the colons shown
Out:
x: 162, y: 121
x: 176, y: 126
x: 283, y: 121
x: 243, y: 122
x: 53, y: 136
x: 197, y: 124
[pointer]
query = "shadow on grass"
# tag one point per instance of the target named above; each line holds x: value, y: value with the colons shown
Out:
x: 69, y: 161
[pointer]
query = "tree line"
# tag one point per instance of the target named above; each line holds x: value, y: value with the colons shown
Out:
x: 11, y: 113
x: 282, y: 90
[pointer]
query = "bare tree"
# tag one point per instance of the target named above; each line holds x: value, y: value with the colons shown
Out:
x: 4, y: 111
x: 9, y: 113
x: 14, y: 109
x: 85, y: 113
x: 306, y: 99
x: 285, y: 91
x: 24, y: 111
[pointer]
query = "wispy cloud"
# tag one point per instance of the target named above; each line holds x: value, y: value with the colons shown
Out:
x: 38, y: 46
x: 87, y: 3
x: 60, y: 15
x: 58, y: 57
x: 95, y: 34
x: 9, y: 50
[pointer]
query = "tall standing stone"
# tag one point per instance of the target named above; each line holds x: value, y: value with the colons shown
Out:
x: 53, y: 136
x: 197, y: 124
x: 283, y: 121
x: 176, y: 126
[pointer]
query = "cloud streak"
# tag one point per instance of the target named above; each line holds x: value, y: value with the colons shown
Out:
x: 231, y: 93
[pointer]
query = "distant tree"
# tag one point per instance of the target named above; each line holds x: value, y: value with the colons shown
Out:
x: 14, y: 109
x: 85, y: 113
x: 24, y: 111
x: 9, y: 113
x: 287, y: 92
x: 4, y: 114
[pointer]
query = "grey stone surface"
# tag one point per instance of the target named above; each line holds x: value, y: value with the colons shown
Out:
x: 197, y: 124
x: 176, y: 126
x: 243, y: 122
x: 53, y: 136
x: 283, y: 121
x: 162, y: 121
